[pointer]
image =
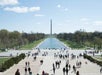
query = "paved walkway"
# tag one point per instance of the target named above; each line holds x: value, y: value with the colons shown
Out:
x: 36, y: 67
x: 86, y: 69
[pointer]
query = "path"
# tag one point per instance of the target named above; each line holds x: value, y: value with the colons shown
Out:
x: 36, y: 67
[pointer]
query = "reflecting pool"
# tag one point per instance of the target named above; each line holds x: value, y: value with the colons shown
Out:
x: 51, y: 43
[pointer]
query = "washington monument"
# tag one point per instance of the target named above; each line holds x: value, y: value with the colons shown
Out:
x: 51, y: 27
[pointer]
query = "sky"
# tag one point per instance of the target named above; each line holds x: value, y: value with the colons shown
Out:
x: 35, y: 15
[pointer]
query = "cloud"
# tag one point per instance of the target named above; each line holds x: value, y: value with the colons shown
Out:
x: 59, y: 6
x: 22, y: 9
x: 87, y: 21
x: 62, y: 8
x: 98, y: 23
x: 34, y: 9
x: 84, y: 19
x: 17, y: 9
x: 8, y: 2
x: 39, y: 15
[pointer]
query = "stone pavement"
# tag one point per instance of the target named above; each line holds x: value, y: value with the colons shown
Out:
x: 86, y: 69
x: 36, y: 67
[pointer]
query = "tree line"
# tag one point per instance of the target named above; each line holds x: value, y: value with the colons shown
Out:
x: 81, y: 39
x: 16, y: 39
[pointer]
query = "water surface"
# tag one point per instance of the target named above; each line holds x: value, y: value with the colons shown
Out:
x: 51, y: 43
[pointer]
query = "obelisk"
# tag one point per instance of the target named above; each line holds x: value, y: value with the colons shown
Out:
x: 51, y: 27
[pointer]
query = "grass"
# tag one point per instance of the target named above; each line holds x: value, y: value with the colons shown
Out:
x: 98, y: 57
x: 73, y: 44
x: 31, y: 45
x: 2, y: 60
x: 65, y: 42
x: 2, y: 51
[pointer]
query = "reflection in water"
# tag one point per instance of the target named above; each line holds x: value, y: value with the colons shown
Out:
x: 51, y: 43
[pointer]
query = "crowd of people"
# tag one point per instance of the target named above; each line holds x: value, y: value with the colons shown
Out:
x: 56, y: 65
x: 61, y: 55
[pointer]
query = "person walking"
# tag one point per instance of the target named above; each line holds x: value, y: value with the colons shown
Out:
x: 74, y: 68
x: 77, y: 73
x: 101, y: 70
x: 64, y: 71
x: 29, y: 70
x: 25, y: 64
x: 56, y: 63
x: 53, y: 68
x: 25, y: 70
x: 17, y: 72
x: 66, y: 65
x: 43, y: 72
x: 34, y: 58
x: 69, y: 66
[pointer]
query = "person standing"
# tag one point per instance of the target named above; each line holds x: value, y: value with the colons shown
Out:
x: 77, y: 73
x: 25, y: 70
x: 64, y: 71
x: 17, y: 72
x: 43, y: 72
x: 34, y: 58
x: 25, y: 64
x: 69, y: 67
x: 74, y: 68
x: 101, y: 70
x: 66, y: 65
x: 29, y: 70
x: 53, y: 68
x: 56, y: 63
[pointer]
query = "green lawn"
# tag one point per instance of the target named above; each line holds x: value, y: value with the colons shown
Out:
x: 31, y: 45
x: 98, y: 58
x: 73, y: 45
x: 2, y: 60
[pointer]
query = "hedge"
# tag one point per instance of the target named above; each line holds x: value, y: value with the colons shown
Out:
x: 92, y: 60
x: 14, y: 60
